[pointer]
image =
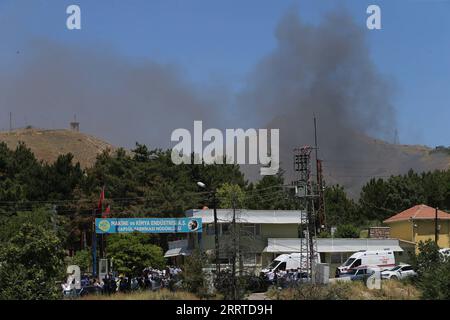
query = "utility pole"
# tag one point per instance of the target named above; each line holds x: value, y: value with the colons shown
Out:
x: 436, y: 226
x: 308, y: 245
x: 216, y: 227
x: 94, y: 247
x: 320, y: 187
x: 10, y: 121
x: 216, y: 234
x: 234, y: 235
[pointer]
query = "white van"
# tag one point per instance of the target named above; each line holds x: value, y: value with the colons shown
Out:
x: 384, y: 259
x: 287, y: 262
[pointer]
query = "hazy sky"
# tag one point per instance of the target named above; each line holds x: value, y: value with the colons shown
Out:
x: 216, y: 44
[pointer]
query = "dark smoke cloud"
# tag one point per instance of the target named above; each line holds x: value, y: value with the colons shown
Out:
x: 326, y: 70
x: 322, y: 69
x: 114, y: 97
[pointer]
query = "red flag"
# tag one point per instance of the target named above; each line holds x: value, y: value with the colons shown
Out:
x: 107, y: 212
x: 102, y: 197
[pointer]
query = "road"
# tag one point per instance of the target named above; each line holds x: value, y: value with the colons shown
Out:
x: 258, y: 296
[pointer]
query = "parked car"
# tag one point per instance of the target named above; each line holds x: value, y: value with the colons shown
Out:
x: 399, y: 272
x: 384, y: 259
x: 445, y: 252
x: 360, y: 273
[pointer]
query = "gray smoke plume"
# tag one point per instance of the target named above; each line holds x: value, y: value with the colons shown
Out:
x: 323, y: 70
x: 114, y: 98
x: 326, y: 70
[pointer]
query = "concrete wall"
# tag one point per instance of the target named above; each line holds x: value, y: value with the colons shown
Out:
x: 279, y: 231
x: 402, y: 230
x: 422, y: 231
x: 426, y: 230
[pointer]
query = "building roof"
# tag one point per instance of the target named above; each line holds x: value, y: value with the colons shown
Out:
x: 177, y: 252
x: 418, y: 212
x: 177, y: 248
x: 329, y: 245
x: 248, y: 216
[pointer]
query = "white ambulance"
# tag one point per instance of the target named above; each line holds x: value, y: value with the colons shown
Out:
x: 289, y: 261
x: 384, y: 259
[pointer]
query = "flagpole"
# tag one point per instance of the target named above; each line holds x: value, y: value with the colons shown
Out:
x: 94, y: 248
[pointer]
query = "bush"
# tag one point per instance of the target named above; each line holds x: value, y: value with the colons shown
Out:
x: 348, y: 290
x: 434, y: 272
x: 83, y: 259
x: 193, y: 276
x: 427, y: 258
x: 346, y: 231
x: 132, y: 253
x: 224, y: 284
x: 31, y: 264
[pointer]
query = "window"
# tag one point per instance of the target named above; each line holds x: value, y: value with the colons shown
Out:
x: 250, y: 230
x: 407, y: 268
x: 258, y: 258
x: 360, y: 272
x: 274, y: 264
x: 357, y: 263
x: 249, y: 258
x: 210, y: 229
x: 226, y: 228
x: 349, y: 262
x: 282, y: 266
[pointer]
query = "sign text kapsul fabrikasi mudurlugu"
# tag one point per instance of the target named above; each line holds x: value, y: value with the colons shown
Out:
x: 148, y: 225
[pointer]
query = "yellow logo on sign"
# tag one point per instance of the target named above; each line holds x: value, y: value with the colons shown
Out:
x: 104, y: 225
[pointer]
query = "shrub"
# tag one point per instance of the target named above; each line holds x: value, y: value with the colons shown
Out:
x: 132, y: 253
x: 31, y: 265
x: 193, y: 276
x: 346, y: 231
x: 83, y: 259
x: 434, y: 272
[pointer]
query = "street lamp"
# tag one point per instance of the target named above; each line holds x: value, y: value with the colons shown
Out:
x: 216, y: 234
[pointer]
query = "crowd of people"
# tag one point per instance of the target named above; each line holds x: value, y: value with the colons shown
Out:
x: 150, y: 279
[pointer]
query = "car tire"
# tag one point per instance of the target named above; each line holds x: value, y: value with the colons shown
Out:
x: 393, y: 278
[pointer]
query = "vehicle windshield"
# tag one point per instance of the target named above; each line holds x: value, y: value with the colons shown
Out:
x: 349, y: 262
x: 395, y: 268
x: 273, y: 264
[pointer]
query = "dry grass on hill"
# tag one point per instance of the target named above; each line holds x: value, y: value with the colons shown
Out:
x: 351, y: 290
x: 163, y: 294
x: 47, y: 145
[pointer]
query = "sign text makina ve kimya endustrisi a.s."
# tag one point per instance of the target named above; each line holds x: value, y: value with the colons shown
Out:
x: 148, y: 225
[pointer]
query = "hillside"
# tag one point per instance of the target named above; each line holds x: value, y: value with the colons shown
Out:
x: 47, y: 145
x: 353, y: 162
x: 370, y: 157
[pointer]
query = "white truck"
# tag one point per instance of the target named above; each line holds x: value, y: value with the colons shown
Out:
x: 384, y: 259
x: 289, y: 261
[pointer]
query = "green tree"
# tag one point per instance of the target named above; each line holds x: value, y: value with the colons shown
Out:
x: 428, y: 257
x: 83, y: 259
x: 231, y: 195
x: 433, y: 271
x: 31, y: 264
x: 133, y: 252
x: 193, y: 277
x: 269, y: 194
x: 346, y: 231
x: 339, y: 208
